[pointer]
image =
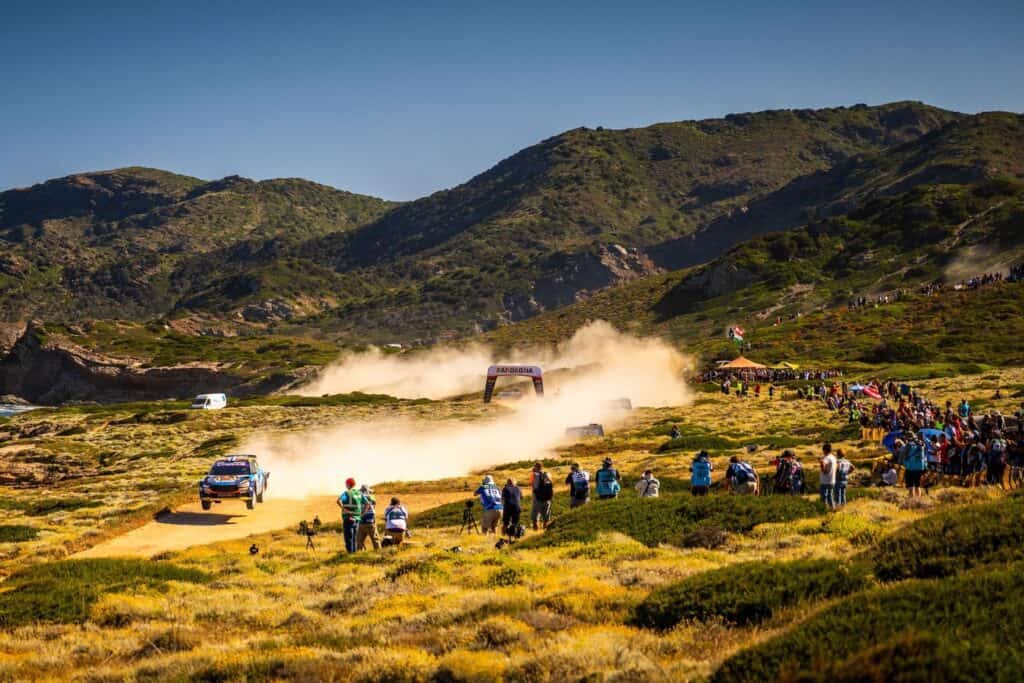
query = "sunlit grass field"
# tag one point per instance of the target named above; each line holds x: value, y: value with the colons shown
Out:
x: 608, y: 592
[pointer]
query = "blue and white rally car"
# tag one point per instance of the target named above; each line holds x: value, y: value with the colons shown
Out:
x: 236, y: 476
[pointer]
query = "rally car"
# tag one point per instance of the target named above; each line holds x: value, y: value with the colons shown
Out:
x: 236, y: 476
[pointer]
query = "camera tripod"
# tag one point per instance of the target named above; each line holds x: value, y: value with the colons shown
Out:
x: 469, y: 522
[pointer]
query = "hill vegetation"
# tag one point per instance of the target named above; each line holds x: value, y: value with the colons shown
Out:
x: 610, y: 590
x: 574, y: 214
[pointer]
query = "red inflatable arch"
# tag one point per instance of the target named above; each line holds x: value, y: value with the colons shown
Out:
x: 496, y: 371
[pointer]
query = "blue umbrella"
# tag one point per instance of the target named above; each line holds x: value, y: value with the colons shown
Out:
x: 890, y: 440
x: 856, y: 387
x: 927, y: 434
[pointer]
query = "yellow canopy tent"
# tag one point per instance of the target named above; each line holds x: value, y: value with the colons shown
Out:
x: 742, y: 363
x: 785, y: 366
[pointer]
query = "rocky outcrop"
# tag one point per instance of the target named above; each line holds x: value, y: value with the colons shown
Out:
x: 573, y: 277
x: 51, y: 370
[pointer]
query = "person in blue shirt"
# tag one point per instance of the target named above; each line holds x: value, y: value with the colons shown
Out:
x: 608, y: 481
x: 490, y: 501
x: 700, y: 474
x: 914, y: 464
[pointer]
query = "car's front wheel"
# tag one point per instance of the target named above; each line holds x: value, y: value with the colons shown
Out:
x: 259, y: 496
x: 250, y: 502
x: 206, y: 504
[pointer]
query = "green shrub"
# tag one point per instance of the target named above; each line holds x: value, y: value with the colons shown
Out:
x: 977, y: 616
x: 17, y: 533
x: 669, y: 518
x: 897, y: 351
x: 424, y: 569
x: 953, y: 540
x: 749, y: 593
x: 48, y: 505
x: 64, y: 592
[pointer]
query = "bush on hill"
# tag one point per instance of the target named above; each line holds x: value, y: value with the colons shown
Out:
x: 64, y: 592
x: 977, y: 631
x: 953, y: 540
x: 750, y: 592
x: 17, y: 533
x: 667, y: 519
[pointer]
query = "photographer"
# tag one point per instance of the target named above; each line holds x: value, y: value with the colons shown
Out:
x: 367, y: 520
x: 396, y: 521
x: 512, y: 501
x: 490, y: 500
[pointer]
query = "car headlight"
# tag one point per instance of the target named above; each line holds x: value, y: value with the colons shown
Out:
x: 243, y: 483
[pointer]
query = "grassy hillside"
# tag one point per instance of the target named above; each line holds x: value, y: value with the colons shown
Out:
x: 786, y: 589
x: 577, y: 213
x: 134, y: 242
x: 806, y: 278
x: 542, y: 226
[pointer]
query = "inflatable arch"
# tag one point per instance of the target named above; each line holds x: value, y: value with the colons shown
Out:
x: 496, y: 371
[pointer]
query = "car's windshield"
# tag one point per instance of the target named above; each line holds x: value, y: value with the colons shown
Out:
x: 230, y: 468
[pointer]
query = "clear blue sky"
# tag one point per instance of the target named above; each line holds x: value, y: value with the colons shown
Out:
x: 402, y: 99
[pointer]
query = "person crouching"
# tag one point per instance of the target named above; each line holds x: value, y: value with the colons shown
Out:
x: 396, y: 522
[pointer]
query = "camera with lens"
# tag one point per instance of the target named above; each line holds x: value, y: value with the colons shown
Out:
x: 310, y: 529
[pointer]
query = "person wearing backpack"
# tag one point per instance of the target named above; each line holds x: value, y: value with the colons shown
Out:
x: 700, y: 474
x: 608, y: 485
x: 782, y: 482
x: 843, y: 469
x: 914, y: 465
x: 543, y: 494
x: 351, y: 504
x: 997, y: 457
x: 490, y: 501
x: 648, y: 486
x: 741, y: 477
x: 367, y: 520
x: 396, y: 522
x: 579, y: 486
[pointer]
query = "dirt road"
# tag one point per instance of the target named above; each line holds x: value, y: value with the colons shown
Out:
x: 189, y: 525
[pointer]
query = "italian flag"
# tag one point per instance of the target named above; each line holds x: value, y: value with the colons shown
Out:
x: 736, y: 334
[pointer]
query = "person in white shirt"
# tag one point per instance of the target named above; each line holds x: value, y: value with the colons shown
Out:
x: 648, y: 485
x: 396, y: 522
x: 828, y: 477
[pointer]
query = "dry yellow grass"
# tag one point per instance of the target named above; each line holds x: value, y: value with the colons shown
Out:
x: 419, y: 611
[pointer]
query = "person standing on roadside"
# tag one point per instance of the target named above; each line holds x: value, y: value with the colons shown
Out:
x: 351, y: 503
x: 367, y: 520
x: 843, y: 469
x: 828, y: 477
x: 608, y: 479
x: 490, y: 501
x: 700, y: 474
x: 579, y: 486
x: 648, y: 486
x: 512, y: 507
x: 543, y: 493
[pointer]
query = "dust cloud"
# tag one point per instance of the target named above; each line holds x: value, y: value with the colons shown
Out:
x: 582, y: 376
x: 976, y: 260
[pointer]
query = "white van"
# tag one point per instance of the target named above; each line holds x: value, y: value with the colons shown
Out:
x: 210, y: 401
